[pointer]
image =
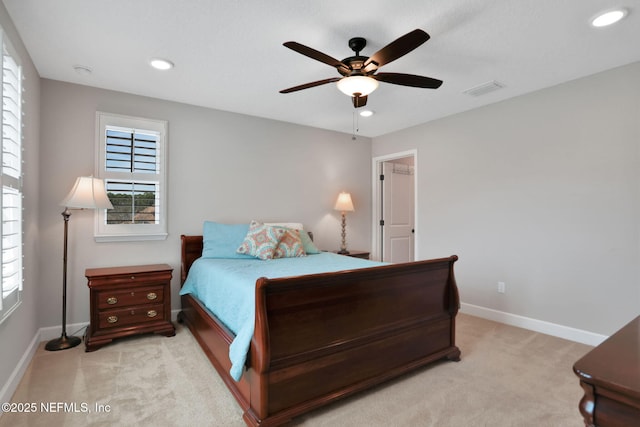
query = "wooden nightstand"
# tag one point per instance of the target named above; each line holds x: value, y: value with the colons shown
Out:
x: 127, y: 301
x: 357, y: 254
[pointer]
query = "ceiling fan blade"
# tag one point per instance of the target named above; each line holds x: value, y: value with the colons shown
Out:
x: 314, y: 54
x: 398, y: 48
x: 359, y: 101
x: 308, y: 85
x: 408, y: 80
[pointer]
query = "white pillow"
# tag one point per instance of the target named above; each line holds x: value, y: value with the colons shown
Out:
x: 292, y: 225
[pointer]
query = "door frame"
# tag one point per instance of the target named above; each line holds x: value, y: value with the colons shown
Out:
x: 376, y: 203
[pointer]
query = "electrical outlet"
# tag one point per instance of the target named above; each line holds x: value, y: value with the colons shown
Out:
x: 501, y: 287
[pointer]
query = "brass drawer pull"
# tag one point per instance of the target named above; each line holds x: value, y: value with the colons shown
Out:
x: 112, y: 319
x: 152, y: 296
x: 112, y: 300
x: 152, y: 313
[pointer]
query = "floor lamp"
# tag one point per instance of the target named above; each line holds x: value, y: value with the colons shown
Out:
x: 87, y: 193
x: 344, y: 205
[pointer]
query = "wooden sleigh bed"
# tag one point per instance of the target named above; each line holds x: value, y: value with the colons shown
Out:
x: 321, y: 337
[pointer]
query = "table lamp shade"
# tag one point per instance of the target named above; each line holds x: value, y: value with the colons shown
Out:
x: 87, y: 193
x: 344, y: 203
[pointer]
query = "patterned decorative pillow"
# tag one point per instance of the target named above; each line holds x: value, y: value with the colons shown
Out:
x: 290, y: 245
x: 261, y: 240
x: 307, y: 241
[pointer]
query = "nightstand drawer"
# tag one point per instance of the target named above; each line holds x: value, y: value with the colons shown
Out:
x: 123, y: 298
x: 130, y: 316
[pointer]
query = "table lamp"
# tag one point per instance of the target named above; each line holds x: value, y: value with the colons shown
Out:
x: 344, y: 205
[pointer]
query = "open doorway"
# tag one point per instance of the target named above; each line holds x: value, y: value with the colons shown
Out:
x: 394, y: 202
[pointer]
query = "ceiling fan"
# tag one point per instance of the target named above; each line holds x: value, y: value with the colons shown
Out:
x: 359, y: 73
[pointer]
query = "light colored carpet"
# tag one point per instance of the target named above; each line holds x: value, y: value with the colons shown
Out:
x: 507, y: 377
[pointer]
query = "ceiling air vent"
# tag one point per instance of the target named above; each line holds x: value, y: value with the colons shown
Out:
x: 484, y: 88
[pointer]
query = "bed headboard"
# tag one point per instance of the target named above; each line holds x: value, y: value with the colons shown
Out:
x: 191, y: 251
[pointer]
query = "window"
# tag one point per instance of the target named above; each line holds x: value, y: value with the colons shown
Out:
x: 11, y: 180
x: 131, y: 161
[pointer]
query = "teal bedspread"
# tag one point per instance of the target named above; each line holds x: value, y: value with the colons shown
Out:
x: 227, y: 288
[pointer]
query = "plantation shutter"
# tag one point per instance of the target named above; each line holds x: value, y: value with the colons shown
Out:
x: 11, y: 180
x: 132, y: 152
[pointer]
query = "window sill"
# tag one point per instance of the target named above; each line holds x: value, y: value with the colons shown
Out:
x: 130, y: 237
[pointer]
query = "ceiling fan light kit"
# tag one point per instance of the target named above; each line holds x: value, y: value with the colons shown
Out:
x: 357, y: 85
x: 359, y: 73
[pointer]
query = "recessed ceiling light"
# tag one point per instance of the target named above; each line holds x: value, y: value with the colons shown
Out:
x: 608, y: 18
x: 366, y: 113
x: 161, y: 64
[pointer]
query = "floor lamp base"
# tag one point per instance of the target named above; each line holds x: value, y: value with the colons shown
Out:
x: 62, y: 343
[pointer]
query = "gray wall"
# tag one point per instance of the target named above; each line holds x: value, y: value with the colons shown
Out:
x: 540, y: 192
x: 222, y: 166
x: 20, y: 328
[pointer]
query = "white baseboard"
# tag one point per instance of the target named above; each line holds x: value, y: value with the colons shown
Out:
x: 560, y: 331
x: 52, y: 332
x: 16, y: 376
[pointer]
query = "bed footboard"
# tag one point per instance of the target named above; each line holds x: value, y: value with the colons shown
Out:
x: 322, y: 337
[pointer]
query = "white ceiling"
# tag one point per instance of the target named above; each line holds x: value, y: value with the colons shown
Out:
x: 228, y: 54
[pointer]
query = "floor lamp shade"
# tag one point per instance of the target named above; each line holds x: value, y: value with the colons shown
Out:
x: 344, y: 205
x: 87, y: 193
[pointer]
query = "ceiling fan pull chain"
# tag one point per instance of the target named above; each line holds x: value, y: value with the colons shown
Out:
x: 356, y: 126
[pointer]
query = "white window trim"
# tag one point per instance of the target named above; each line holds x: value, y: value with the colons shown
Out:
x: 10, y: 304
x: 131, y: 232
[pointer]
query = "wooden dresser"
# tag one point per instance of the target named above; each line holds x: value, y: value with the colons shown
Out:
x: 127, y: 301
x: 610, y: 377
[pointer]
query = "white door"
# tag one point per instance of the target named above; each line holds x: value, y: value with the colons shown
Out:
x: 398, y: 212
